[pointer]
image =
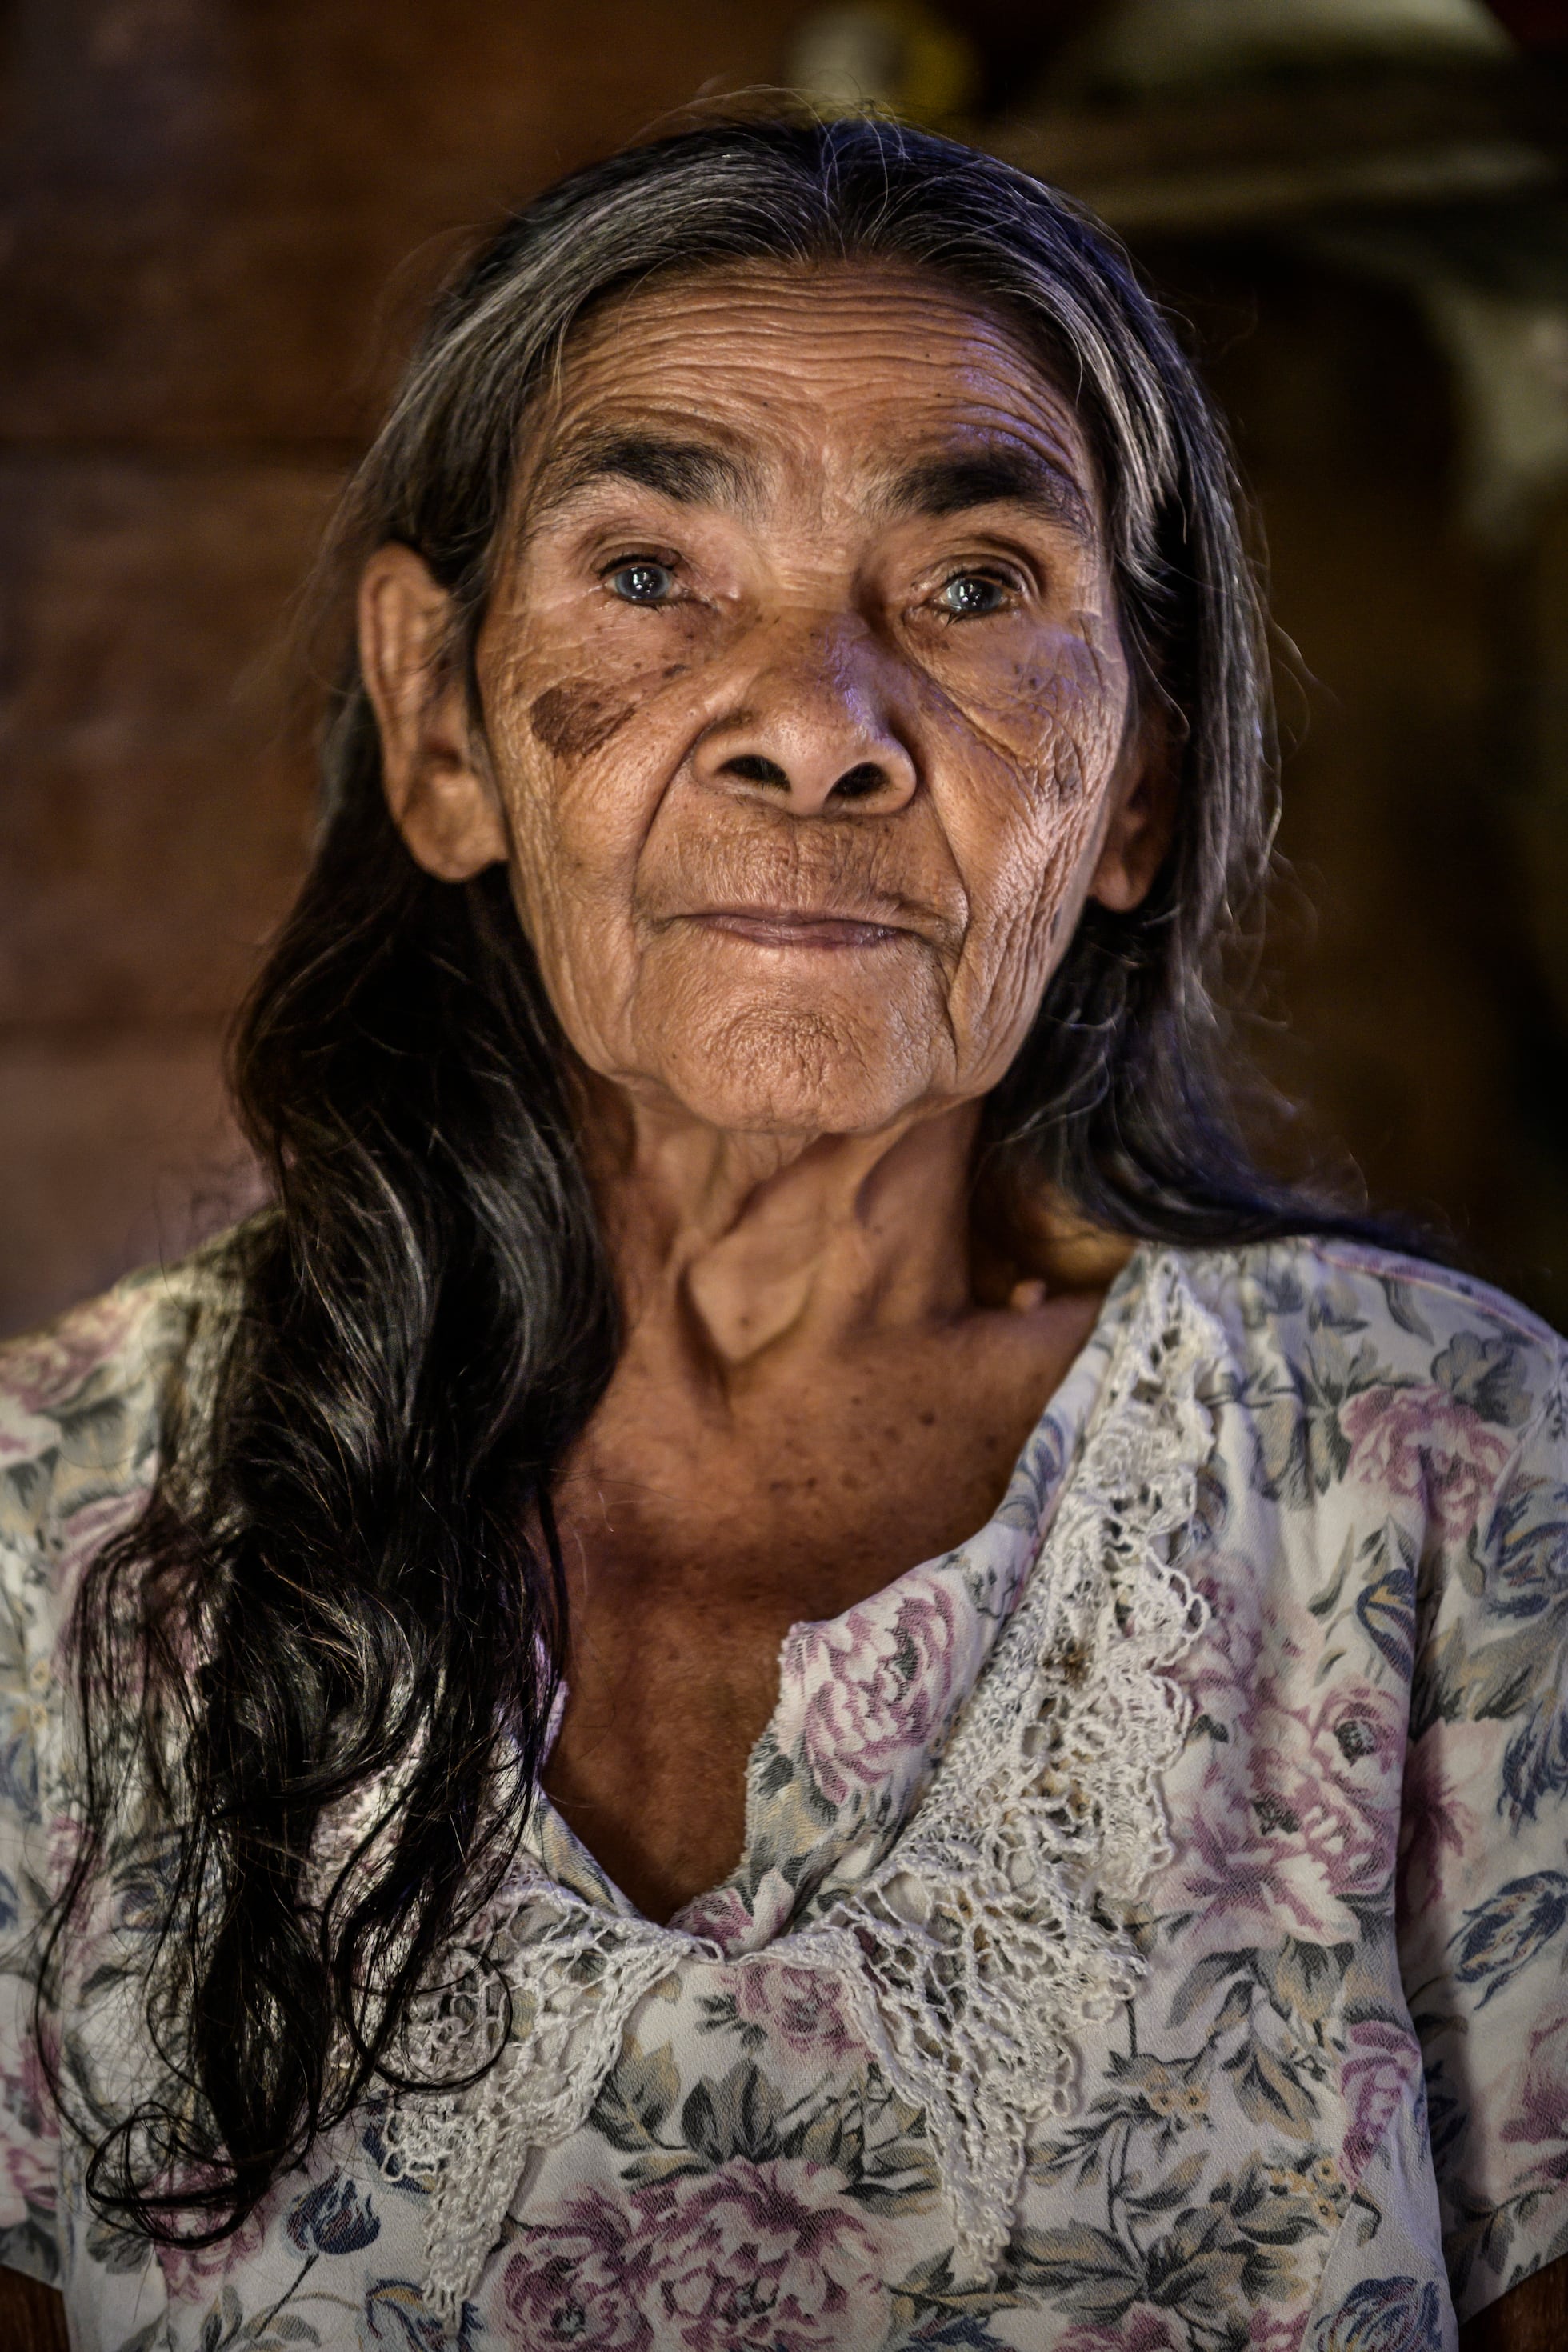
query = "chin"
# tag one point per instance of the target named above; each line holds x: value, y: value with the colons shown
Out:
x: 776, y: 1071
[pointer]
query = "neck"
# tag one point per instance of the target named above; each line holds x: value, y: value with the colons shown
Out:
x: 756, y: 1244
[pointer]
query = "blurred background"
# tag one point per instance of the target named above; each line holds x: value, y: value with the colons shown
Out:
x: 219, y: 220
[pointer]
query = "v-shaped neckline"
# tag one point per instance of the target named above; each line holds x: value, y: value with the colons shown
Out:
x: 868, y: 1700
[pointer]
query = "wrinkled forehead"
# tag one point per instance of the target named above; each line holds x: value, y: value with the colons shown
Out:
x: 736, y: 383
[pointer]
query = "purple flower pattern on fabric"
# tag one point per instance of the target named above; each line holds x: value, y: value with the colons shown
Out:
x: 1424, y: 1446
x: 769, y: 2255
x: 1368, y: 1824
x: 581, y: 2277
x: 756, y: 2254
x: 802, y: 2010
x: 877, y: 1690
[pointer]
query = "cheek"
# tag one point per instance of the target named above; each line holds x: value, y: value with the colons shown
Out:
x: 1060, y: 710
x: 579, y: 763
x: 574, y: 719
x: 567, y: 744
x: 1075, y: 737
x: 1044, y: 749
x: 1023, y: 825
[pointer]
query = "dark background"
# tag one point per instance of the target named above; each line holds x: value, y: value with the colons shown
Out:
x: 220, y: 220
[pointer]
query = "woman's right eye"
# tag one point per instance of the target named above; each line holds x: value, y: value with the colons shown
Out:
x: 641, y: 582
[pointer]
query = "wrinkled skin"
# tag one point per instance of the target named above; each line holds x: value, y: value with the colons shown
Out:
x: 808, y: 732
x: 956, y: 766
x: 961, y: 765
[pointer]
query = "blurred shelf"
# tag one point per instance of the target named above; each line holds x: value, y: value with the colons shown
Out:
x: 1239, y: 154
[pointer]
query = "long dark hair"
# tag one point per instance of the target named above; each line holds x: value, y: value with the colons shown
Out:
x: 348, y: 1562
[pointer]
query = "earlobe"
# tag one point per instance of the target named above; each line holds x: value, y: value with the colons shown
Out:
x: 1139, y: 832
x: 440, y: 795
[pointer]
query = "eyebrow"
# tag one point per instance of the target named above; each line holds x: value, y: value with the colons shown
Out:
x: 1000, y: 474
x: 692, y: 473
x: 700, y: 473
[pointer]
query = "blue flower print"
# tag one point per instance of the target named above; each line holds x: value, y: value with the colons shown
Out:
x: 1487, y: 1375
x: 1536, y: 1762
x: 1393, y: 2314
x: 1530, y: 1530
x: 1505, y: 1934
x: 332, y: 2218
x: 1387, y: 1609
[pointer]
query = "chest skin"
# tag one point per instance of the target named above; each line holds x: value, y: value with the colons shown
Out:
x: 698, y: 1531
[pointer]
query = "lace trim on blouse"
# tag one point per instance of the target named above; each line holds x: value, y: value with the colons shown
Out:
x: 1000, y: 1922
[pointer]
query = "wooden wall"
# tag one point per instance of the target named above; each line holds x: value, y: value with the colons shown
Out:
x: 1415, y: 996
x: 220, y: 217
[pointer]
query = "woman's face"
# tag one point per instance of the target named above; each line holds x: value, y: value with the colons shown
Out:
x: 806, y: 711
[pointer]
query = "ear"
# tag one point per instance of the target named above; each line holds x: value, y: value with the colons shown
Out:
x: 1141, y: 820
x: 439, y: 792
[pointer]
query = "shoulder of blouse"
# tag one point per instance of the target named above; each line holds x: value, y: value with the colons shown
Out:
x: 1348, y: 1370
x: 85, y: 1405
x: 1279, y: 1296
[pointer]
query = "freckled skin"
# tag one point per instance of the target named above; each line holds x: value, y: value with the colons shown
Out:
x: 816, y: 1389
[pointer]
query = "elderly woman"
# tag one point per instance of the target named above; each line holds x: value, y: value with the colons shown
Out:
x: 781, y: 1663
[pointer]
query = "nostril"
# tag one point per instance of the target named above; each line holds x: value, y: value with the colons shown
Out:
x: 752, y: 769
x: 858, y: 784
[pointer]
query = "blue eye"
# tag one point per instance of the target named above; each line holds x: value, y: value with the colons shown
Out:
x: 641, y: 582
x: 969, y: 595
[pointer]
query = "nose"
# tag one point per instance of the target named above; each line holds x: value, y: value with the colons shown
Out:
x: 814, y: 731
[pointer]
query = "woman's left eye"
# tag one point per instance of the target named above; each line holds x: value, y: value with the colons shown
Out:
x: 970, y: 595
x: 643, y: 581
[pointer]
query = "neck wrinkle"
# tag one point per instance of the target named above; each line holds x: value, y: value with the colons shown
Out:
x: 753, y: 1242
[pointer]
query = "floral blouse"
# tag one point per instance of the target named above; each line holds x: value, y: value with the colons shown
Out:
x: 1152, y: 1930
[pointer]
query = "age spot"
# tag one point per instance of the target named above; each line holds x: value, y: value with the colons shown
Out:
x: 575, y: 719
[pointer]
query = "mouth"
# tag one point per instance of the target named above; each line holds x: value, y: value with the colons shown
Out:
x: 789, y: 927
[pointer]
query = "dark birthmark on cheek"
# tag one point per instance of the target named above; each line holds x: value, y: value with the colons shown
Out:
x: 575, y: 719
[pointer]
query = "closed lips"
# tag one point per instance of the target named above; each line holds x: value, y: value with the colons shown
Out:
x: 788, y: 927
